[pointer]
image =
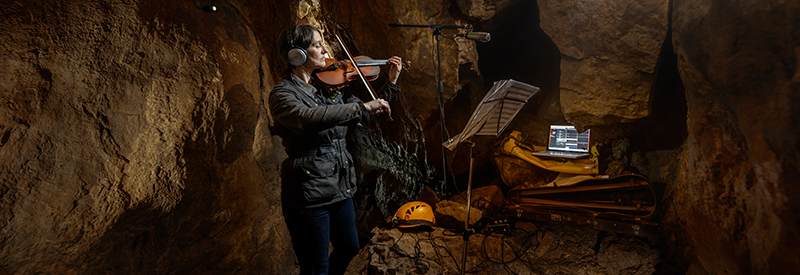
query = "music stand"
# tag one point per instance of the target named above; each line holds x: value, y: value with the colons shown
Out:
x: 501, y: 104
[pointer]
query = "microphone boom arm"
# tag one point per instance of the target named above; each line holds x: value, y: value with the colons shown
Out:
x: 429, y: 26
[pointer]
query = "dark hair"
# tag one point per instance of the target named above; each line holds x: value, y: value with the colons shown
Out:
x: 300, y: 35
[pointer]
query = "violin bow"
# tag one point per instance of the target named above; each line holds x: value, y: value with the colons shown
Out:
x: 358, y: 70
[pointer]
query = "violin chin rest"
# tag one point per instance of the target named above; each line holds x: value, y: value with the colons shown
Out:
x: 332, y: 67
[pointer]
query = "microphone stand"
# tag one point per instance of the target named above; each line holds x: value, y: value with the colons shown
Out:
x: 437, y: 33
x: 467, y: 230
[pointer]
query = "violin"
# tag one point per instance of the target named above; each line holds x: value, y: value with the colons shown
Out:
x: 337, y: 74
x: 342, y: 75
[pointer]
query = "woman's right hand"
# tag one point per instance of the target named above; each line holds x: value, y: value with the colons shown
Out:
x: 378, y: 106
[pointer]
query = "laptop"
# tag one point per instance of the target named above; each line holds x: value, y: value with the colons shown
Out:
x: 566, y: 142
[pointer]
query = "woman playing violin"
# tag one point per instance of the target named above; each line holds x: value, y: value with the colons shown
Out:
x: 318, y: 177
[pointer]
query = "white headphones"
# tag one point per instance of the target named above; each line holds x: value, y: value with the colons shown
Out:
x: 297, y: 56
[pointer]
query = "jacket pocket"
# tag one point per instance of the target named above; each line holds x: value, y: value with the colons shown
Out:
x: 318, y: 177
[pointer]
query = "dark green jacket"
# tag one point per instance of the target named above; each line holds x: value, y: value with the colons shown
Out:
x: 313, y: 122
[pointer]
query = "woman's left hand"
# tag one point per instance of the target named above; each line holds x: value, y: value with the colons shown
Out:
x: 396, y: 67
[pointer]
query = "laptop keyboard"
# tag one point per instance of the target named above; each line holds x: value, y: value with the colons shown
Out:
x: 564, y: 153
x: 561, y: 153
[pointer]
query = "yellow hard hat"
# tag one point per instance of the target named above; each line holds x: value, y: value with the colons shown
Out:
x: 413, y: 214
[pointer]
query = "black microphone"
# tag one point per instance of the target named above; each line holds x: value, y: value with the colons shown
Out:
x: 478, y: 36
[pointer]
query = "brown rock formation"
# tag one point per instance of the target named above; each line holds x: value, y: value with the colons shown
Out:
x: 739, y: 63
x: 134, y: 136
x: 609, y: 52
x: 129, y: 141
x: 450, y: 214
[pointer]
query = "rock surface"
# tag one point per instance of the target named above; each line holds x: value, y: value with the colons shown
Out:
x: 609, y: 52
x: 129, y: 142
x: 739, y: 63
x: 450, y: 214
x: 528, y: 249
x: 134, y: 136
x: 489, y: 198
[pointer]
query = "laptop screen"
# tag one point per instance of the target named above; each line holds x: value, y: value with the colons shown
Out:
x: 567, y: 138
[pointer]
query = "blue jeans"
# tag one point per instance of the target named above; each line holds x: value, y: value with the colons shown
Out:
x: 312, y: 229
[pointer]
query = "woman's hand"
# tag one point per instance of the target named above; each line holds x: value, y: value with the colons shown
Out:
x: 378, y: 106
x: 396, y: 67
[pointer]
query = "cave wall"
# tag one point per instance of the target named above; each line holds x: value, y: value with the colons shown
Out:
x: 134, y: 140
x: 739, y: 63
x: 134, y: 136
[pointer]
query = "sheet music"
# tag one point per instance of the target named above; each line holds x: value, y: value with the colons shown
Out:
x: 501, y: 104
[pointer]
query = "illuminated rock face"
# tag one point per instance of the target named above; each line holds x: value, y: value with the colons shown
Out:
x: 134, y: 137
x: 609, y: 52
x: 135, y: 141
x: 740, y: 68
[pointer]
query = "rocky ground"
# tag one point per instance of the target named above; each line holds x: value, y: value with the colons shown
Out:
x: 529, y: 248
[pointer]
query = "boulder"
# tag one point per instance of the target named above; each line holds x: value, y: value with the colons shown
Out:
x: 609, y: 52
x: 488, y: 198
x: 453, y: 215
